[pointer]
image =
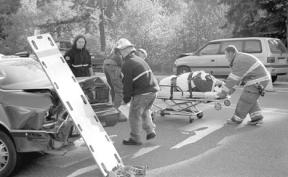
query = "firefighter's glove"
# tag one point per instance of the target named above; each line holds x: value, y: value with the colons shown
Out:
x: 232, y: 90
x: 219, y: 83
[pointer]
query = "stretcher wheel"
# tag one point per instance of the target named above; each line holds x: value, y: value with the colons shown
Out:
x: 218, y: 106
x: 227, y: 102
x: 200, y: 115
x: 191, y: 120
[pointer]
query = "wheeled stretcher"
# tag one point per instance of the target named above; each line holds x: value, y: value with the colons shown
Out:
x: 183, y: 102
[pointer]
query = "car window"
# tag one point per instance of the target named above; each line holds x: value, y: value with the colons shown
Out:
x: 276, y: 46
x: 19, y: 74
x: 210, y: 49
x: 64, y: 45
x: 237, y: 44
x: 252, y: 46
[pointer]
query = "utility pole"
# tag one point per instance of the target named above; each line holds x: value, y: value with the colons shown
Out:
x: 101, y: 26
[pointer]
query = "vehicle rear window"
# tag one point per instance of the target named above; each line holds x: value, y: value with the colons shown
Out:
x: 276, y: 46
x: 237, y: 44
x: 21, y: 74
x: 64, y: 45
x: 252, y: 46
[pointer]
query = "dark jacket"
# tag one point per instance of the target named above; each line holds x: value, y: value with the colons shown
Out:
x: 79, y: 60
x: 114, y: 59
x: 138, y: 78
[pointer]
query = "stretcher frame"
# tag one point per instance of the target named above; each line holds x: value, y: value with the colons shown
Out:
x: 186, y: 106
x: 73, y: 98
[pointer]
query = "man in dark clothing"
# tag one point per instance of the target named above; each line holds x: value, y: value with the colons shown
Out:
x: 78, y: 58
x: 112, y: 69
x: 139, y: 87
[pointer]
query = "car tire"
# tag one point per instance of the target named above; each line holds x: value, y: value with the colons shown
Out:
x: 183, y: 69
x: 274, y: 78
x: 8, y: 155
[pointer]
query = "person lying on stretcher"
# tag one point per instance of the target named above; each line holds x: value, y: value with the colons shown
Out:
x: 193, y: 84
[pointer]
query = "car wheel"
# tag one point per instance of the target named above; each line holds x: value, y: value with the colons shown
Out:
x: 183, y: 69
x: 274, y: 78
x: 8, y: 155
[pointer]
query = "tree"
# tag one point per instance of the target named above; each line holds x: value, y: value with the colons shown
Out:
x: 7, y: 7
x: 147, y: 25
x: 258, y: 17
x: 165, y: 28
x: 60, y: 18
x: 201, y: 25
x: 275, y: 17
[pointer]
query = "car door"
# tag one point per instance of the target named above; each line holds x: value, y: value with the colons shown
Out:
x: 208, y: 57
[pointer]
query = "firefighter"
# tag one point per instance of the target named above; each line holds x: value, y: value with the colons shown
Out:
x: 248, y: 70
x: 112, y: 69
x: 139, y: 88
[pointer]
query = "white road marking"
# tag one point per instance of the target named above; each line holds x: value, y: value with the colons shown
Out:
x: 82, y: 171
x: 145, y: 150
x: 198, y: 134
x: 69, y: 159
x: 75, y: 162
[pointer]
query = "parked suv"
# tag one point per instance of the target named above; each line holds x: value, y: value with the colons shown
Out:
x: 32, y: 117
x: 211, y: 57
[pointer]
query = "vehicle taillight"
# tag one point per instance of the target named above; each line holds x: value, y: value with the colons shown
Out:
x: 270, y: 59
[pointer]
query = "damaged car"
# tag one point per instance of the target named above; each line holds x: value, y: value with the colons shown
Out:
x: 33, y: 118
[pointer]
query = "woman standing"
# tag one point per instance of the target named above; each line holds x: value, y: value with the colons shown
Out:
x: 78, y: 58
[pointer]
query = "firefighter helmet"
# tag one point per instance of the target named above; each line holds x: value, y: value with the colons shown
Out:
x: 123, y: 44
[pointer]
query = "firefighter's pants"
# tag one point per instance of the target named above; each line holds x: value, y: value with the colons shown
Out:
x: 140, y: 115
x: 248, y: 103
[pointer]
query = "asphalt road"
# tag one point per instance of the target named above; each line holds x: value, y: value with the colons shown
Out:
x: 205, y: 148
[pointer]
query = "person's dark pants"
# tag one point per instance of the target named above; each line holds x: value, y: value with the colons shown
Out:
x: 140, y: 115
x: 113, y: 75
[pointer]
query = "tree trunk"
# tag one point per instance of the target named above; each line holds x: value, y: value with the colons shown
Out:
x: 287, y: 26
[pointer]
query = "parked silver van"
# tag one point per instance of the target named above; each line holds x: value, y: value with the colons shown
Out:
x: 211, y: 58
